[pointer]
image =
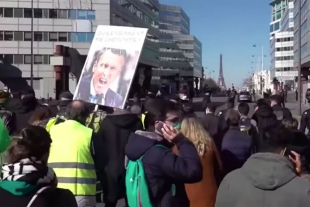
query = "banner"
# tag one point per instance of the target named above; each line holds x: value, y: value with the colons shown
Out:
x: 110, y: 65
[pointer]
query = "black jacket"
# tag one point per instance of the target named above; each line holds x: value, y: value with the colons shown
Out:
x: 115, y: 130
x: 211, y: 123
x: 286, y: 112
x: 163, y: 168
x: 48, y: 198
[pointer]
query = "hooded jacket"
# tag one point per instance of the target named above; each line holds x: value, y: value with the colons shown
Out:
x: 266, y: 179
x: 163, y: 168
x: 115, y: 130
x: 23, y: 112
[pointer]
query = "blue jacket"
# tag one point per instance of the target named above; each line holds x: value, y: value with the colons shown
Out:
x: 163, y: 168
x: 236, y: 149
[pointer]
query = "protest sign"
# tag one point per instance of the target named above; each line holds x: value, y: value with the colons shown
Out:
x: 110, y: 65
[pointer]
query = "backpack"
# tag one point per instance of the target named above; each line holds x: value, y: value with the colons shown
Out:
x: 137, y: 190
x: 94, y: 120
x: 8, y: 119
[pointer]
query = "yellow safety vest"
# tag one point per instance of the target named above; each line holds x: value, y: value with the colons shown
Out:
x: 71, y: 159
x: 143, y: 119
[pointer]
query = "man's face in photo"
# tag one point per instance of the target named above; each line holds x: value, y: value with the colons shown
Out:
x: 106, y: 70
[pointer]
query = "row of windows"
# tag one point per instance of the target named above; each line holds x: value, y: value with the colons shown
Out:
x: 285, y: 39
x: 175, y: 59
x: 284, y: 49
x: 172, y: 12
x: 137, y: 12
x: 47, y: 36
x: 117, y: 19
x: 285, y: 69
x: 274, y: 27
x: 176, y: 69
x: 25, y: 59
x: 149, y: 5
x: 177, y: 51
x: 285, y: 58
x: 304, y: 51
x: 47, y: 13
x: 177, y: 24
x: 304, y: 11
x: 304, y: 29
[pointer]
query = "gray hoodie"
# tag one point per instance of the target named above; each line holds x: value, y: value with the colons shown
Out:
x: 265, y: 180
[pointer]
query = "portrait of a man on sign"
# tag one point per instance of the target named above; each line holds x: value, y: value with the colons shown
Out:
x: 104, y: 81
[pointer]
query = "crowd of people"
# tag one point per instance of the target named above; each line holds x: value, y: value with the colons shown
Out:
x: 153, y: 153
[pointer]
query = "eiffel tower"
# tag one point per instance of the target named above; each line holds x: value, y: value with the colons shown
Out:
x: 221, y: 81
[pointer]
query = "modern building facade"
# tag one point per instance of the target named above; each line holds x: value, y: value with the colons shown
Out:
x: 278, y: 8
x: 71, y: 24
x: 305, y: 37
x: 179, y: 53
x: 281, y: 48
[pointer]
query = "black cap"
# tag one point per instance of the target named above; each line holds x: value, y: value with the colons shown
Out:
x: 65, y: 98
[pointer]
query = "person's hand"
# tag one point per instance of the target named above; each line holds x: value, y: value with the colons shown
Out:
x: 170, y: 133
x: 296, y: 160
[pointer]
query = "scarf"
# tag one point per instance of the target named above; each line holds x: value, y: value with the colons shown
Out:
x: 26, y: 176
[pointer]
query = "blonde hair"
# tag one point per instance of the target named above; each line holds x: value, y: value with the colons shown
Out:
x: 195, y: 132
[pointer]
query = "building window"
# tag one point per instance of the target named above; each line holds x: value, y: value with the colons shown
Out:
x: 38, y: 13
x: 72, y: 37
x: 38, y: 36
x: 27, y: 13
x: 63, y: 37
x: 1, y: 12
x: 18, y: 13
x: 27, y: 36
x: 38, y: 59
x: 276, y: 26
x: 53, y: 37
x: 45, y: 13
x: 81, y: 37
x: 27, y: 59
x: 18, y: 59
x: 52, y: 13
x: 45, y: 36
x: 90, y: 36
x: 72, y: 14
x: 91, y: 15
x: 1, y: 36
x: 46, y: 59
x: 8, y: 12
x: 62, y: 14
x: 18, y: 36
x: 82, y: 14
x: 8, y: 36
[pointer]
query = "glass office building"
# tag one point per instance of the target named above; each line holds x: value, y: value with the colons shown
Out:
x: 179, y: 52
x: 72, y: 24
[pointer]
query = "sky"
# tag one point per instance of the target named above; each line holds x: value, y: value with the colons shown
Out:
x: 230, y: 28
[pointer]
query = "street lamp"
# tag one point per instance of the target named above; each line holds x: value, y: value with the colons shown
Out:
x: 299, y: 58
x: 31, y: 47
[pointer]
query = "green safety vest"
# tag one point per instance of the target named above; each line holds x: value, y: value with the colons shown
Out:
x: 71, y: 159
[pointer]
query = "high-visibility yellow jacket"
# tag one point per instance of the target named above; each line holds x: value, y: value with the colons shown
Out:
x: 143, y: 119
x: 71, y: 159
